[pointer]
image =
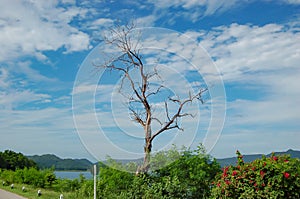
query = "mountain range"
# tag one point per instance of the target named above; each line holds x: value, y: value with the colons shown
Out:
x: 52, y: 161
x: 59, y: 164
x: 249, y: 158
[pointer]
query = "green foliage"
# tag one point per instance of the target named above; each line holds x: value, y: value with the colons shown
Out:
x: 190, y: 176
x: 8, y: 176
x: 273, y: 177
x: 66, y: 185
x: 174, y: 174
x: 113, y: 179
x: 12, y: 160
x: 86, y: 189
x: 30, y: 176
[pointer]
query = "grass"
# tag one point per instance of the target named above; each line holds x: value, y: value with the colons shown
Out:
x: 31, y: 192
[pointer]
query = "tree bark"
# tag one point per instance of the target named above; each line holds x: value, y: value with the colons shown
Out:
x: 147, y: 155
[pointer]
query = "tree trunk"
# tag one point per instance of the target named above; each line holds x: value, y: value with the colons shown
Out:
x: 147, y: 156
x: 148, y: 142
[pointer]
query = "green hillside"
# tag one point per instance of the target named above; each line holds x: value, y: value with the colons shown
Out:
x: 50, y: 160
x: 12, y: 160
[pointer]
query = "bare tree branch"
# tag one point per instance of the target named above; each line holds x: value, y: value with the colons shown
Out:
x: 178, y: 114
x: 156, y: 119
x: 137, y: 117
x: 140, y: 99
x: 155, y: 92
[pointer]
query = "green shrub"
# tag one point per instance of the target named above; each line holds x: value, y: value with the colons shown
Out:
x: 8, y: 176
x: 190, y: 176
x: 174, y: 174
x: 113, y: 181
x: 273, y: 177
x: 86, y: 189
x: 31, y: 176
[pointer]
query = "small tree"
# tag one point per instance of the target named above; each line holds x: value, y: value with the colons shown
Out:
x: 139, y: 102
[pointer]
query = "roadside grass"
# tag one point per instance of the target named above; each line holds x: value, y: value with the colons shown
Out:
x: 31, y: 192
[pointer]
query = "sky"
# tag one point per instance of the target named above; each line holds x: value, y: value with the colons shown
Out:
x: 53, y: 100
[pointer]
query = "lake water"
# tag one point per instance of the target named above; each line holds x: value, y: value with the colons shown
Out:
x: 73, y: 174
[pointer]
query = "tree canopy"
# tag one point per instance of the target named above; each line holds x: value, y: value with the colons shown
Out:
x: 11, y: 160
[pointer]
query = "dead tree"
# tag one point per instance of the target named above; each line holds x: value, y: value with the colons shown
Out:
x: 121, y: 38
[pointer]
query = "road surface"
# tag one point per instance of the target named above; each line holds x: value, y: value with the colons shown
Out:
x: 7, y: 195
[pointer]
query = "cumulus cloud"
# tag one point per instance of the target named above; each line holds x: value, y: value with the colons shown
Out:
x: 101, y: 22
x: 45, y: 27
x: 241, y: 50
x: 261, y: 62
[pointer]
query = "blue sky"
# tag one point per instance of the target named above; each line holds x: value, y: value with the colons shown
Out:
x: 254, y: 46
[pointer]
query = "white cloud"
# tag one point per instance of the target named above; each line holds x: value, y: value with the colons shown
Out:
x: 4, y: 82
x: 292, y: 1
x: 45, y: 27
x: 147, y: 21
x: 44, y: 131
x: 13, y: 98
x: 262, y: 59
x: 195, y: 9
x: 243, y: 49
x: 102, y: 21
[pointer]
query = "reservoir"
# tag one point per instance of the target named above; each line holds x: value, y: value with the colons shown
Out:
x: 73, y: 174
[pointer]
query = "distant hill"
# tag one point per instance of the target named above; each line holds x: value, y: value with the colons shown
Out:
x: 50, y: 160
x: 249, y: 158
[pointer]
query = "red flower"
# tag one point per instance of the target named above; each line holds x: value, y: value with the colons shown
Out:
x: 262, y: 174
x: 219, y: 184
x: 275, y: 158
x: 227, y: 182
x: 286, y: 160
x: 234, y: 173
x: 286, y: 175
x: 225, y: 171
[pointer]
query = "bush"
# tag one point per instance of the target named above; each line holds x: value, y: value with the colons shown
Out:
x: 186, y: 174
x: 273, y: 177
x: 86, y: 189
x: 8, y: 176
x: 66, y: 185
x: 31, y: 176
x: 190, y: 176
x: 113, y: 181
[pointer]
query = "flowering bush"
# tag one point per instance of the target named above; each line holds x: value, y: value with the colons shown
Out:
x: 273, y: 177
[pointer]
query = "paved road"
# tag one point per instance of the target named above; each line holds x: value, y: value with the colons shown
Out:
x: 7, y: 195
